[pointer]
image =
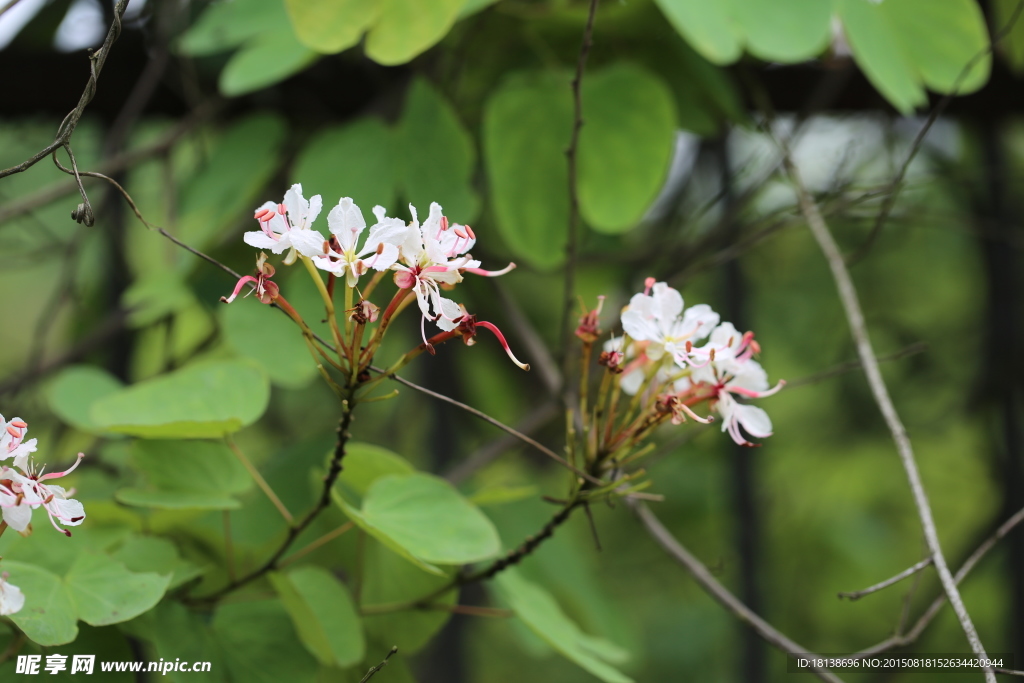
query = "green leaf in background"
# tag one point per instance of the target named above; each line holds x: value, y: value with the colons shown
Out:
x: 226, y: 190
x: 72, y: 392
x: 155, y: 554
x: 186, y: 474
x: 541, y: 613
x: 364, y: 464
x: 405, y: 28
x: 526, y: 128
x: 263, y: 61
x: 784, y: 30
x: 356, y: 160
x: 203, y: 400
x: 274, y: 341
x: 227, y: 25
x: 437, y: 157
x: 330, y: 26
x: 260, y: 645
x: 388, y: 578
x: 105, y: 592
x: 940, y: 39
x: 708, y: 26
x: 49, y: 616
x: 155, y: 296
x: 625, y: 146
x: 1012, y: 44
x: 178, y: 633
x: 323, y: 615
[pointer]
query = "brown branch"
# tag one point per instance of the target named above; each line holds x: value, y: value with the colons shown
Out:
x: 910, y: 571
x: 720, y: 593
x: 374, y: 670
x: 858, y: 329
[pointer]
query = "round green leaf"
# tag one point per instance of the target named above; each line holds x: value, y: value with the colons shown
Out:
x: 226, y: 25
x: 323, y: 615
x: 155, y: 554
x: 256, y: 331
x: 263, y: 61
x: 356, y: 160
x: 49, y: 616
x: 72, y: 393
x: 427, y: 517
x: 432, y: 137
x: 260, y: 645
x: 364, y: 463
x: 784, y: 30
x: 526, y: 128
x: 203, y: 400
x: 330, y: 26
x: 105, y: 592
x: 405, y: 28
x: 707, y: 26
x: 186, y: 474
x: 625, y: 146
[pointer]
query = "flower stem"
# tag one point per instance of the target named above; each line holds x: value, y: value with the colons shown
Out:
x: 332, y: 320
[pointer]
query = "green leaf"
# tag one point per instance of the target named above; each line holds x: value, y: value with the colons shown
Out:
x: 784, y: 30
x: 179, y: 633
x: 707, y: 26
x: 260, y: 645
x: 941, y: 39
x: 405, y: 28
x: 426, y: 517
x: 274, y: 341
x: 526, y: 128
x: 432, y: 137
x: 323, y: 615
x: 387, y: 579
x: 330, y: 26
x: 72, y: 392
x: 156, y: 296
x: 155, y: 554
x: 625, y: 146
x: 186, y: 474
x: 227, y: 25
x: 1012, y: 44
x: 356, y: 160
x: 364, y: 464
x: 105, y: 592
x: 226, y: 190
x: 49, y: 616
x: 541, y: 613
x: 263, y: 61
x: 202, y: 400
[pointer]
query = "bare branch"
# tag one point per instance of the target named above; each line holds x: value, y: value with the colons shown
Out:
x: 857, y: 595
x: 850, y: 365
x: 720, y: 593
x: 374, y: 670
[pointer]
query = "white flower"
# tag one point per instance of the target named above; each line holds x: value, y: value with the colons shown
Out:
x: 11, y: 597
x: 12, y: 444
x: 656, y: 316
x: 287, y: 226
x: 735, y: 415
x: 20, y: 494
x: 380, y: 251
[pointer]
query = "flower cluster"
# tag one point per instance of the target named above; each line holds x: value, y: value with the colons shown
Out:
x: 658, y: 357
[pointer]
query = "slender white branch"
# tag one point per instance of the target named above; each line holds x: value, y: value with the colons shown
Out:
x: 858, y: 328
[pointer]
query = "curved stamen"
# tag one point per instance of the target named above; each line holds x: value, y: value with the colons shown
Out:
x: 504, y: 344
x: 491, y: 273
x: 238, y: 288
x: 55, y: 475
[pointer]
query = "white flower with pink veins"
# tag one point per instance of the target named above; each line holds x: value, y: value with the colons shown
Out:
x: 20, y: 494
x: 12, y: 443
x: 656, y: 316
x: 380, y: 251
x: 433, y: 254
x: 11, y: 597
x: 287, y: 226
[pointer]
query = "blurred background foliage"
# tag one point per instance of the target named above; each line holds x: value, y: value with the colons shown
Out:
x: 207, y: 109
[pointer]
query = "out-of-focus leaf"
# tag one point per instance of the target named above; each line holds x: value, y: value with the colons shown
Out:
x: 708, y: 26
x: 224, y: 192
x: 356, y: 160
x: 438, y: 156
x: 105, y: 592
x: 155, y: 554
x: 260, y: 645
x: 48, y: 617
x: 186, y: 474
x: 269, y: 338
x: 405, y: 28
x: 180, y: 633
x: 784, y: 30
x: 330, y: 26
x: 625, y: 146
x: 323, y: 615
x: 526, y: 128
x: 501, y: 494
x: 156, y: 296
x: 389, y: 579
x: 471, y: 7
x: 203, y: 400
x: 542, y: 614
x: 226, y: 25
x: 73, y: 391
x: 1012, y: 44
x: 263, y: 61
x: 364, y: 464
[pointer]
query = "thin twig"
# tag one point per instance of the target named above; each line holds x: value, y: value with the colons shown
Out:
x: 720, y: 593
x: 374, y: 670
x: 229, y: 548
x: 489, y: 452
x: 910, y: 571
x: 260, y: 481
x: 536, y: 349
x: 858, y: 328
x: 851, y: 365
x: 323, y: 540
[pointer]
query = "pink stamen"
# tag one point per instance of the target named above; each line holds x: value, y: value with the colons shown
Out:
x: 689, y: 411
x: 469, y: 231
x: 648, y: 283
x: 20, y: 424
x: 757, y: 394
x: 55, y: 475
x: 238, y: 288
x: 13, y: 431
x: 504, y: 344
x: 491, y: 273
